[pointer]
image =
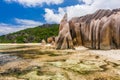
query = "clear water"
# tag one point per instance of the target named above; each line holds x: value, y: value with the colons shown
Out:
x: 5, y: 58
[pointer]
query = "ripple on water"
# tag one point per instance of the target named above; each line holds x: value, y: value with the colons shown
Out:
x: 5, y: 58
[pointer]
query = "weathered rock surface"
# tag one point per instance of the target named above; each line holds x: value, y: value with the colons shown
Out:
x: 100, y: 30
x: 51, y: 39
x: 43, y: 42
x: 42, y: 63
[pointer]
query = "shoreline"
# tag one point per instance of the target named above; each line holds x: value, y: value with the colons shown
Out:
x: 19, y: 44
x: 110, y: 54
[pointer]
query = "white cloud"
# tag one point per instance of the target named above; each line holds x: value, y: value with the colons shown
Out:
x: 21, y: 24
x: 27, y: 22
x: 33, y: 3
x: 88, y: 7
x: 51, y: 17
x: 8, y: 28
x: 87, y: 1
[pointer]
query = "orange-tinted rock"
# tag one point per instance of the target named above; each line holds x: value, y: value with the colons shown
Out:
x: 50, y: 39
x: 64, y: 39
x: 100, y: 30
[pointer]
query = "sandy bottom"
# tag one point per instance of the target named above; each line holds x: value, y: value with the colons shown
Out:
x: 112, y: 54
x: 43, y: 62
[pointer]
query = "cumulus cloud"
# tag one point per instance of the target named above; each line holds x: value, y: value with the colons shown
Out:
x: 88, y: 2
x: 33, y: 3
x: 21, y: 24
x: 52, y: 17
x: 88, y: 7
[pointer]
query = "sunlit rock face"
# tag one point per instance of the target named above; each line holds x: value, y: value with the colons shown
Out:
x: 100, y: 30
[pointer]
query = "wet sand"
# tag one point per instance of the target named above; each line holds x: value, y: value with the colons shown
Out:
x: 43, y: 62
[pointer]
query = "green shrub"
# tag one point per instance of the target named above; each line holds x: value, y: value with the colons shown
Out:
x: 31, y: 35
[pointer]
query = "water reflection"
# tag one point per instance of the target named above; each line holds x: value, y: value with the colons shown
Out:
x: 5, y: 58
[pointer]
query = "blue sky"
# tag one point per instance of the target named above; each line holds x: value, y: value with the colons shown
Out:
x: 9, y: 11
x: 16, y: 15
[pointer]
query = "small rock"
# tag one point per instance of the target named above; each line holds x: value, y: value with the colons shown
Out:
x: 43, y: 42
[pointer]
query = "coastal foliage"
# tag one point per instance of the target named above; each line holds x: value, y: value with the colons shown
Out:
x: 31, y: 35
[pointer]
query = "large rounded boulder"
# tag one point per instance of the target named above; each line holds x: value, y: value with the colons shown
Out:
x: 100, y: 30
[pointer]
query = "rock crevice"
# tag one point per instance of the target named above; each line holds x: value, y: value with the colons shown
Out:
x: 100, y: 30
